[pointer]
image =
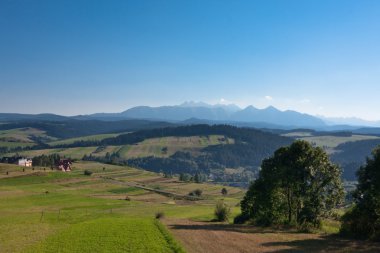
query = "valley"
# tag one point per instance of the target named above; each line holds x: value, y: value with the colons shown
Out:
x: 50, y: 211
x: 136, y: 176
x: 173, y: 126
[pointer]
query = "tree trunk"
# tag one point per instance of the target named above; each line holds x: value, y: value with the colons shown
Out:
x: 289, y: 206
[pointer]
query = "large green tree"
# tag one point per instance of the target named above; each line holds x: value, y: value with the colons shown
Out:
x: 363, y: 220
x: 297, y: 185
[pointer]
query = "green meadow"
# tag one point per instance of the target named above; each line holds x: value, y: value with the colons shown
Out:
x: 148, y: 147
x: 22, y: 137
x: 51, y: 211
x: 97, y: 137
x: 330, y: 142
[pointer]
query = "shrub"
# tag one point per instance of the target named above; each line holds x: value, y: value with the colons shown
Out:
x: 224, y: 191
x: 241, y: 219
x: 156, y: 187
x: 87, y: 173
x: 222, y: 211
x: 159, y: 215
x: 197, y: 193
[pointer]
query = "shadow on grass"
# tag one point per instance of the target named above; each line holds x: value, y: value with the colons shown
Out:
x: 328, y: 243
x: 322, y: 243
x: 232, y: 228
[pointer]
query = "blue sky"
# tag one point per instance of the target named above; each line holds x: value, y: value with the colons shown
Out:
x: 78, y: 57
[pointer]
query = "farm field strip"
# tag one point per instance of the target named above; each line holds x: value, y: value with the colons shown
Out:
x: 23, y: 135
x: 97, y: 137
x: 112, y: 234
x: 333, y: 141
x: 155, y: 146
x: 150, y: 147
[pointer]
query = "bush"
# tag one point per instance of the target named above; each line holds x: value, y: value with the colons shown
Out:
x: 159, y: 215
x: 197, y: 193
x: 222, y: 211
x: 224, y: 192
x: 241, y: 219
x: 87, y: 173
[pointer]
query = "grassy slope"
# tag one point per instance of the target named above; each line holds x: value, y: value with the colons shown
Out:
x: 149, y: 147
x: 21, y: 137
x: 334, y: 141
x: 97, y: 137
x: 22, y: 134
x: 46, y: 211
x: 50, y: 211
x: 328, y: 142
x: 154, y: 146
x: 111, y: 234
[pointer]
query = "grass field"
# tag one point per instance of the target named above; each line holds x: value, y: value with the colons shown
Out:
x: 329, y: 143
x: 50, y: 211
x: 298, y: 134
x: 155, y: 146
x: 122, y: 235
x: 21, y: 137
x: 22, y: 134
x: 149, y: 147
x: 73, y: 153
x: 97, y: 137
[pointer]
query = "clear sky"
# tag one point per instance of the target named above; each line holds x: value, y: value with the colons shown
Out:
x: 79, y: 57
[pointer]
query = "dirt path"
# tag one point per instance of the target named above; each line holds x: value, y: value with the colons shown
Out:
x: 206, y: 237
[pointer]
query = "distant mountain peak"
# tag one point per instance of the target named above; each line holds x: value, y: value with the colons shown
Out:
x: 250, y: 108
x: 195, y: 104
x: 220, y: 112
x: 230, y: 108
x: 271, y: 108
x: 353, y: 121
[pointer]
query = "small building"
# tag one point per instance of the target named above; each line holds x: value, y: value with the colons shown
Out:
x: 64, y: 165
x: 26, y: 162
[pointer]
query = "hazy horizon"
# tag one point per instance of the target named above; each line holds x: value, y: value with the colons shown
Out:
x: 333, y: 120
x: 84, y: 57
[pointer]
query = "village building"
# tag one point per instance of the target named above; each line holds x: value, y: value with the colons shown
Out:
x: 64, y: 165
x: 26, y: 162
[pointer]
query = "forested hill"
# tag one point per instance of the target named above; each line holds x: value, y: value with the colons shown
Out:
x: 76, y: 128
x: 240, y: 136
x: 352, y: 155
x: 248, y: 149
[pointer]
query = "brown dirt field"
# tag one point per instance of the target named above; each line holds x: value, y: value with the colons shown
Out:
x: 201, y: 237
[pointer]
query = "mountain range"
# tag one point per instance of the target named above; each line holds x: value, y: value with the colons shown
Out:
x: 196, y: 112
x: 219, y: 112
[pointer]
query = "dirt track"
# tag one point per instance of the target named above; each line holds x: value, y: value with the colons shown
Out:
x: 204, y: 237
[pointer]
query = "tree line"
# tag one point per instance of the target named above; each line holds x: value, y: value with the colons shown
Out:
x: 240, y: 135
x: 46, y: 160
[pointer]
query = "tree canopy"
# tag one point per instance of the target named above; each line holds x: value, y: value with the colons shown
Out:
x: 298, y: 185
x: 363, y: 220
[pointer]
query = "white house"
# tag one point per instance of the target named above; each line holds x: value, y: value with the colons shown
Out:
x: 26, y: 162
